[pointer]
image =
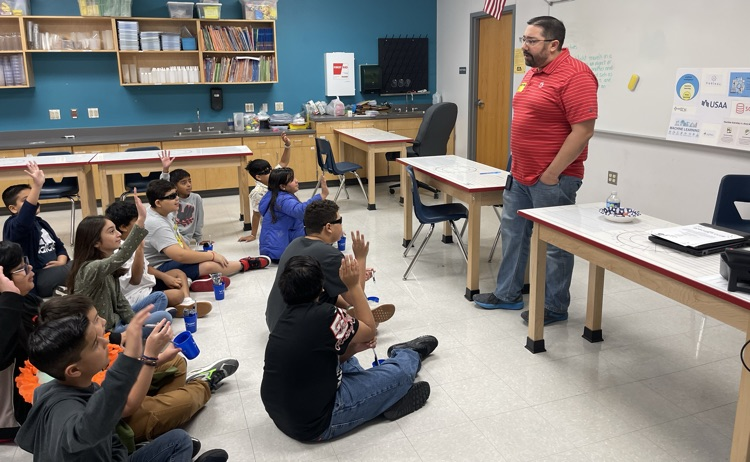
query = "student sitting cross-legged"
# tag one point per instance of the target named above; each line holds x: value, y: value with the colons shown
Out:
x: 166, y: 249
x: 313, y: 387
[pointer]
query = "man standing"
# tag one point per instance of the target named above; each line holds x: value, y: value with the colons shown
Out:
x: 554, y: 112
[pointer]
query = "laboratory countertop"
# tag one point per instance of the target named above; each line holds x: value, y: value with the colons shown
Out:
x: 28, y: 139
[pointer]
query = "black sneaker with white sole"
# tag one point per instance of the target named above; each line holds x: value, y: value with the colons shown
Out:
x: 214, y: 373
x: 423, y: 345
x: 414, y: 399
x: 213, y: 455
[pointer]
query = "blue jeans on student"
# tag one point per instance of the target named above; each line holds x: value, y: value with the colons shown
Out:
x: 175, y: 445
x: 516, y: 233
x: 365, y: 394
x: 159, y: 300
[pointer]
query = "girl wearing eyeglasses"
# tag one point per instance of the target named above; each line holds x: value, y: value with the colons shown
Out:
x: 282, y: 212
x: 97, y: 268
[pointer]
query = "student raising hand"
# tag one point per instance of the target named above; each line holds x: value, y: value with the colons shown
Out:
x: 166, y: 160
x: 36, y: 174
x: 349, y: 271
x: 323, y: 187
x: 141, y: 209
x: 134, y: 334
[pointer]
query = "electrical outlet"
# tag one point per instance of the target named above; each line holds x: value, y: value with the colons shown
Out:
x: 249, y: 107
x: 611, y: 177
x: 93, y: 113
x: 74, y: 113
x: 54, y: 114
x: 279, y: 106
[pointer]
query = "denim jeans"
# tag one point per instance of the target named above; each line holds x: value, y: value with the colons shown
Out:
x: 365, y: 394
x: 173, y: 446
x: 159, y: 299
x: 516, y: 234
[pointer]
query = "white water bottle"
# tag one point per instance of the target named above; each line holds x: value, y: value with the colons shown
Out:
x: 613, y: 201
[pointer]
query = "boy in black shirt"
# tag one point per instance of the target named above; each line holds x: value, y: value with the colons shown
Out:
x: 313, y: 387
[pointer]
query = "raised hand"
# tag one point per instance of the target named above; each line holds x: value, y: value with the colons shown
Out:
x: 141, y: 208
x: 166, y: 160
x: 134, y: 333
x: 360, y: 246
x: 36, y: 174
x: 349, y: 271
x: 323, y: 187
x: 285, y: 139
x: 160, y: 337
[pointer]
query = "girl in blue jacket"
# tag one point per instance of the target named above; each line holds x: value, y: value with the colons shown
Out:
x: 282, y: 212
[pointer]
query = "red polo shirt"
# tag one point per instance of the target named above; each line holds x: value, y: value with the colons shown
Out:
x: 546, y: 104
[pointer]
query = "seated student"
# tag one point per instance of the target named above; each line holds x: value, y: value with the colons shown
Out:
x: 283, y: 212
x: 259, y: 170
x: 189, y: 217
x: 17, y: 310
x: 142, y: 279
x: 313, y: 387
x: 164, y: 397
x: 323, y: 225
x: 74, y: 419
x: 100, y: 256
x: 38, y: 240
x: 166, y: 249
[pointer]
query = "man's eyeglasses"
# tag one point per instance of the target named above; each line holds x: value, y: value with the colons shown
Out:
x: 25, y: 268
x: 532, y: 41
x: 169, y: 197
x: 337, y: 221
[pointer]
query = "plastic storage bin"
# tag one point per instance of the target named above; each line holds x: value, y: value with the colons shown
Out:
x: 209, y: 10
x: 14, y: 8
x: 180, y: 9
x: 259, y: 9
x: 105, y: 7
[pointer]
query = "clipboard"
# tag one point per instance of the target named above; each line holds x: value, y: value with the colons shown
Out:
x: 706, y: 249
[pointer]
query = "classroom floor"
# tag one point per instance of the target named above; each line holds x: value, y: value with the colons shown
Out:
x: 661, y: 387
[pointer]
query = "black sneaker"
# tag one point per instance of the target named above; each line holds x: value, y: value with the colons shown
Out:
x: 196, y: 446
x: 423, y: 345
x: 213, y: 455
x: 214, y: 373
x: 414, y: 399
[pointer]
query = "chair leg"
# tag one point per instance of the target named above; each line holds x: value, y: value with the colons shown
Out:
x: 499, y: 233
x: 343, y: 182
x: 72, y: 219
x: 419, y: 251
x: 413, y: 239
x: 362, y: 187
x: 460, y: 241
x: 341, y: 185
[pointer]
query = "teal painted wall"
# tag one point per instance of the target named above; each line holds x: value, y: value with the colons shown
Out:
x: 305, y: 30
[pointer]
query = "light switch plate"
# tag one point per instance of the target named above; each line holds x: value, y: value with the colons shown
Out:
x: 54, y: 114
x: 93, y: 113
x: 279, y: 106
x: 249, y: 107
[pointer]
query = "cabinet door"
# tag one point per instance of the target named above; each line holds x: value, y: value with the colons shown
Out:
x: 303, y: 158
x: 11, y: 153
x: 264, y: 147
x: 207, y: 178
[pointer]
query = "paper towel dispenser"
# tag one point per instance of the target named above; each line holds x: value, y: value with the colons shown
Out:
x: 369, y: 78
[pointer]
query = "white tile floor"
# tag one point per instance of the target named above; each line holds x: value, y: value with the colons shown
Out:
x: 662, y: 386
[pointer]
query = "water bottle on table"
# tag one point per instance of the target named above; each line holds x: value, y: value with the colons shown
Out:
x: 613, y: 201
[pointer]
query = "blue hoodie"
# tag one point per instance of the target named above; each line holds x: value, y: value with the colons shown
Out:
x: 274, y: 237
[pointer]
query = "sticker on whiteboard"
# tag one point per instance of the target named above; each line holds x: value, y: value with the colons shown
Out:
x: 687, y: 87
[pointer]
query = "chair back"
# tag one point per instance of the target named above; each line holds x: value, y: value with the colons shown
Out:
x: 330, y: 165
x: 435, y: 130
x: 52, y: 189
x: 136, y: 179
x: 733, y: 188
x: 322, y: 151
x: 419, y: 208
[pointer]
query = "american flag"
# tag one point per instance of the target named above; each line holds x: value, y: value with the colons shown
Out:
x: 494, y: 7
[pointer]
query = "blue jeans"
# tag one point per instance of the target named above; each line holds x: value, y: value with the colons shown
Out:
x: 516, y: 233
x: 173, y: 446
x: 159, y: 300
x: 365, y: 394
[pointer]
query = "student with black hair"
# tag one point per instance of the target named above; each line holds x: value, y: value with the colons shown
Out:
x: 39, y: 242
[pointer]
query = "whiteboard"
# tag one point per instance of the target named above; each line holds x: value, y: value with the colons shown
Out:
x: 339, y: 74
x: 652, y: 39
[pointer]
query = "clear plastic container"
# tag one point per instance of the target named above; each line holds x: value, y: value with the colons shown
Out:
x: 209, y: 10
x: 259, y: 9
x: 180, y: 9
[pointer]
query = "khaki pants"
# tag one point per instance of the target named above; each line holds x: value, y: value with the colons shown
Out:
x: 174, y: 404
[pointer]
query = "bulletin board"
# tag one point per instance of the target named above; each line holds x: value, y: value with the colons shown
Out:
x: 651, y: 39
x: 340, y: 74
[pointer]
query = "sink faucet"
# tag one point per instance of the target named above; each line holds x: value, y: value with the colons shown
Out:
x: 198, y: 113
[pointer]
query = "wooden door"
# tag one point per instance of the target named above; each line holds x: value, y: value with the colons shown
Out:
x: 494, y: 80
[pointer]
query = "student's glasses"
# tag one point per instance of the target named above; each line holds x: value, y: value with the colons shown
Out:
x: 532, y: 41
x: 170, y: 197
x: 25, y: 268
x: 339, y: 220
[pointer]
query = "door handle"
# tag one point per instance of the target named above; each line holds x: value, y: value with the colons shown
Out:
x: 480, y: 103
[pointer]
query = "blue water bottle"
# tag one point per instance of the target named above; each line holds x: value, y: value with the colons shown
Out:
x: 342, y: 243
x: 191, y: 319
